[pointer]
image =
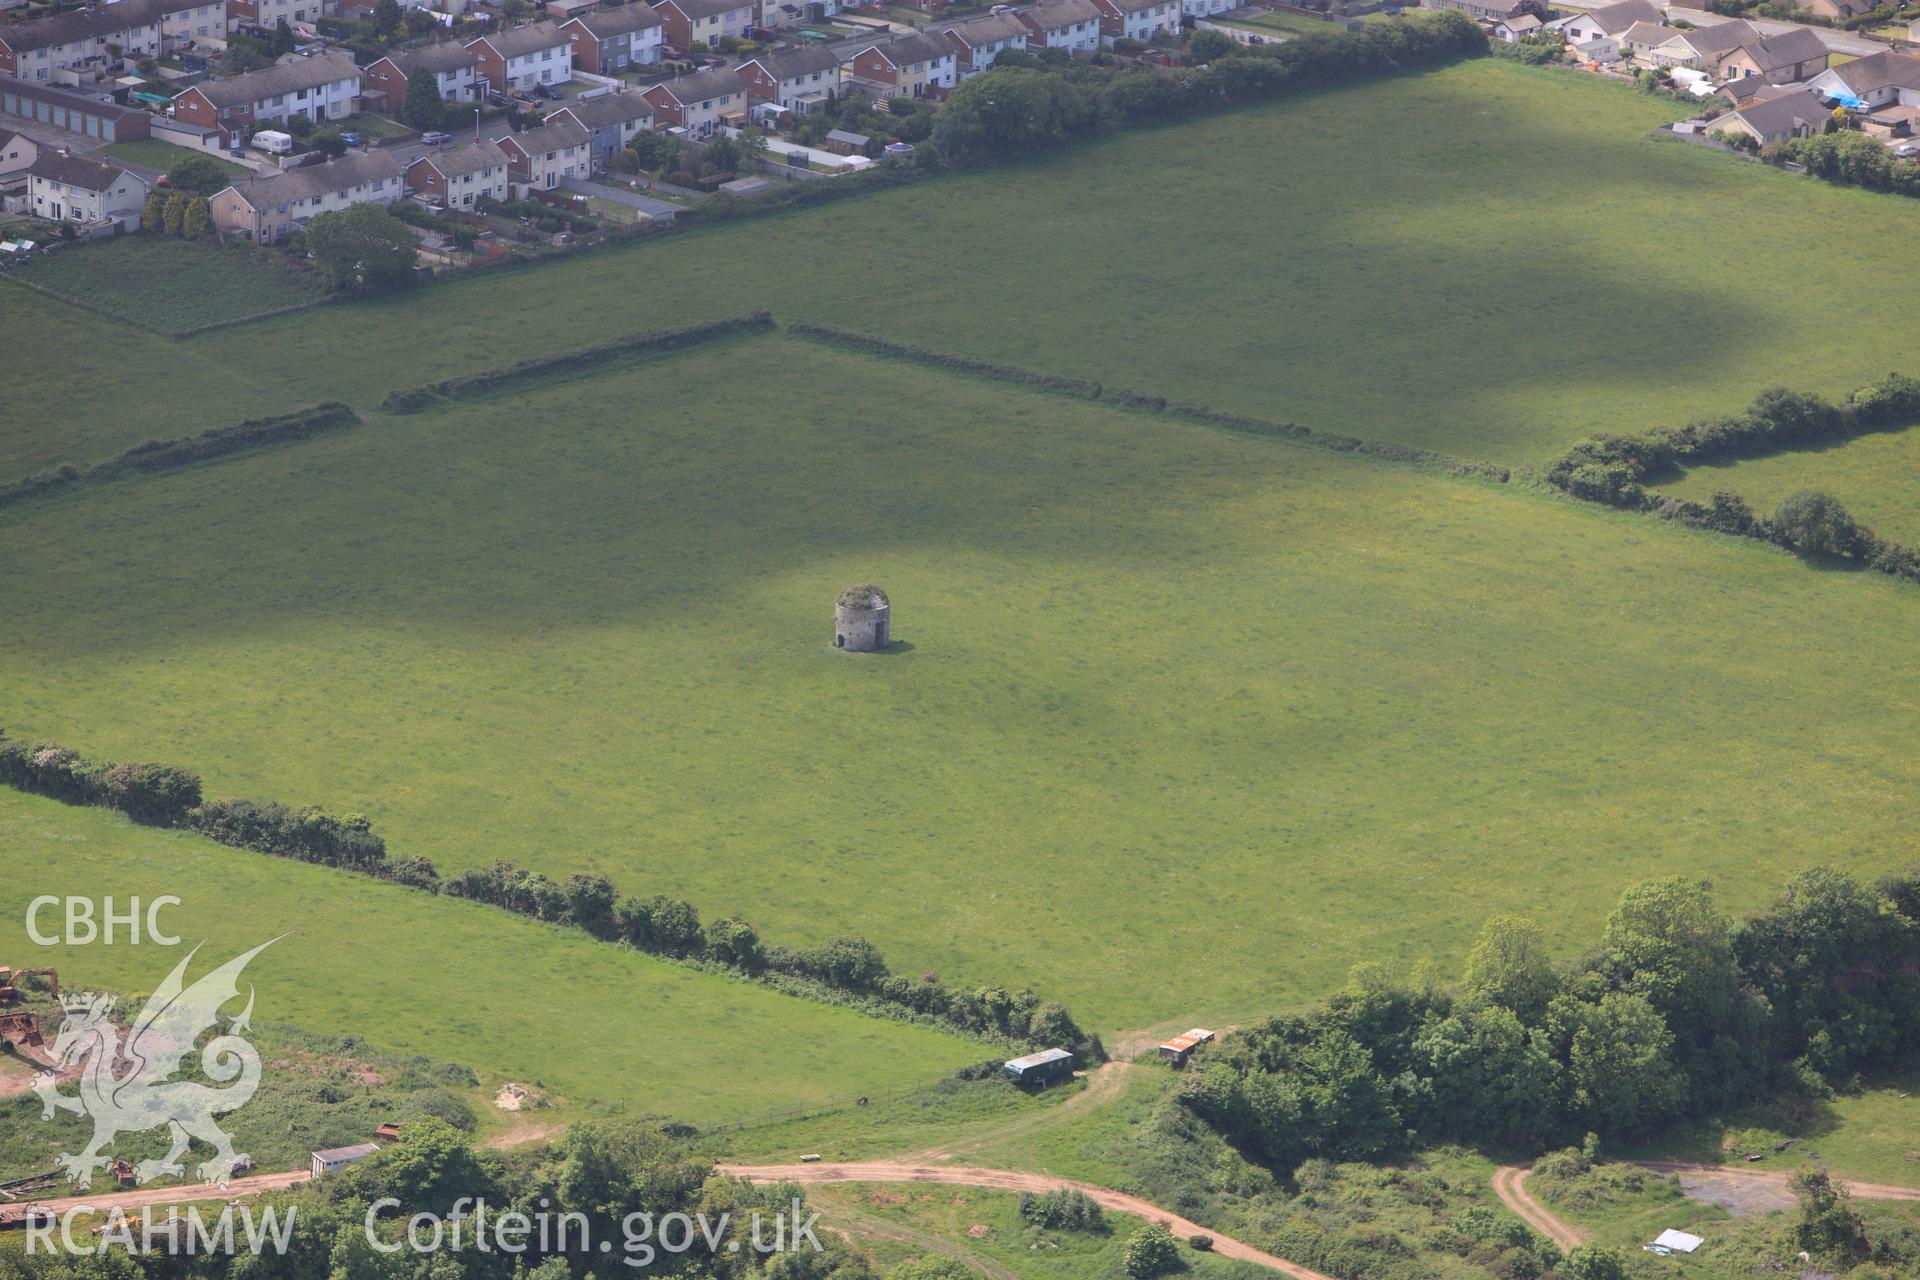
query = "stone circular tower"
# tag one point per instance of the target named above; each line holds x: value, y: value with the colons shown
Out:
x: 860, y: 619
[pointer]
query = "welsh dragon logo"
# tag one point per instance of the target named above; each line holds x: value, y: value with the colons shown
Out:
x: 126, y: 1085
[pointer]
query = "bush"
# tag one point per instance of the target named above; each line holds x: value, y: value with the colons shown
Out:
x: 1201, y: 1242
x: 1063, y: 1209
x: 1151, y: 1253
x: 1815, y: 523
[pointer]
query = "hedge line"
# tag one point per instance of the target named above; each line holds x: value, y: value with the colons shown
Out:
x: 1613, y: 469
x: 163, y: 455
x: 488, y: 382
x: 846, y: 971
x: 1085, y: 389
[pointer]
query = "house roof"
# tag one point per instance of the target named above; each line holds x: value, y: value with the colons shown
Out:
x: 1788, y: 49
x: 709, y: 8
x: 607, y: 110
x: 1617, y: 17
x: 853, y: 140
x: 447, y: 55
x: 791, y: 64
x: 912, y: 46
x: 75, y: 171
x: 354, y: 1152
x: 315, y: 179
x: 555, y: 135
x: 290, y: 75
x: 455, y: 161
x: 1774, y: 116
x: 1748, y: 89
x: 521, y: 41
x: 1523, y: 22
x: 1879, y: 71
x: 1721, y: 38
x: 89, y: 23
x: 1133, y: 6
x: 702, y: 85
x: 986, y: 28
x: 8, y: 135
x: 1648, y: 33
x: 1052, y: 15
x: 604, y: 24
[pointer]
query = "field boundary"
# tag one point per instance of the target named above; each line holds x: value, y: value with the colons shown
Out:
x: 177, y: 335
x: 183, y: 451
x: 1144, y: 402
x: 514, y: 377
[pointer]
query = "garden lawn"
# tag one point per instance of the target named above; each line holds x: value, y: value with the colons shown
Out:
x: 1491, y: 260
x: 1183, y: 723
x: 155, y: 154
x: 1877, y: 478
x: 174, y: 285
x: 600, y: 1026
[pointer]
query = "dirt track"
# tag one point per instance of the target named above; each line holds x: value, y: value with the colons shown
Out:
x: 1510, y: 1184
x: 1006, y: 1180
x: 122, y: 1198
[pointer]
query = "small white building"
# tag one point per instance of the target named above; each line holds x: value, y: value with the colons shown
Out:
x: 88, y: 193
x: 333, y: 1159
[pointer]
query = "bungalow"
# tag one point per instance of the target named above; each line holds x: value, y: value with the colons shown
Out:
x: 1073, y: 25
x: 1141, y: 20
x: 980, y: 40
x: 539, y: 158
x: 267, y: 209
x: 798, y: 79
x: 78, y: 189
x: 1642, y: 38
x: 1798, y: 114
x: 697, y: 102
x: 1837, y: 10
x: 461, y: 177
x: 17, y: 152
x: 1514, y: 30
x: 705, y: 21
x: 516, y: 60
x: 131, y: 29
x: 614, y: 119
x: 1491, y: 10
x: 1878, y: 80
x: 383, y: 83
x: 1740, y: 93
x: 1610, y: 22
x: 323, y: 87
x: 336, y: 1158
x: 1787, y: 58
x: 910, y: 65
x: 1702, y: 48
x: 607, y: 41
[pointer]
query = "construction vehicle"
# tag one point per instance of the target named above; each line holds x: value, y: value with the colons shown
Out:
x: 10, y: 990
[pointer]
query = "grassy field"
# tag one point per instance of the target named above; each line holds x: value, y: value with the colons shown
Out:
x: 1877, y: 477
x: 1136, y: 744
x: 600, y: 1027
x: 155, y: 154
x: 172, y: 285
x: 1491, y: 260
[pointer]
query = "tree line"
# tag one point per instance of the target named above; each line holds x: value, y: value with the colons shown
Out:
x: 848, y: 970
x: 1679, y: 1012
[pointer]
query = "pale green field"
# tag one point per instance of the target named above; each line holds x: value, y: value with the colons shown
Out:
x: 599, y: 1026
x: 1187, y: 723
x: 1876, y: 477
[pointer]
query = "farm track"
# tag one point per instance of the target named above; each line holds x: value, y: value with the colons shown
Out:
x: 1510, y: 1184
x: 1010, y: 1180
x: 123, y: 1199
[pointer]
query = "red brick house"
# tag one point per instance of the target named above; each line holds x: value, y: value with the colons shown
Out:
x: 321, y: 88
x: 460, y: 177
x: 508, y: 61
x: 607, y: 41
x: 383, y: 82
x: 798, y: 79
x: 697, y: 102
x: 706, y: 21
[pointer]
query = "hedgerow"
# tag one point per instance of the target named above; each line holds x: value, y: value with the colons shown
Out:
x: 849, y: 971
x: 1084, y: 389
x: 164, y: 455
x: 1614, y: 469
x: 488, y: 382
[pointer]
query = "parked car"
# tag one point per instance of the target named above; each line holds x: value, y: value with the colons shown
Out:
x: 433, y: 137
x: 1907, y: 150
x: 547, y: 91
x: 351, y: 138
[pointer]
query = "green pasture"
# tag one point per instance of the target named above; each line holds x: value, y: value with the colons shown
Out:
x: 1490, y: 259
x: 1182, y: 725
x: 597, y: 1026
x: 1876, y: 477
x: 155, y: 154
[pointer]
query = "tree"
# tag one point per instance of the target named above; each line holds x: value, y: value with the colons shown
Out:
x: 299, y: 126
x: 1151, y: 1252
x: 751, y: 145
x: 1815, y: 523
x: 1619, y: 1064
x: 429, y: 1167
x: 389, y: 19
x: 1205, y: 46
x: 153, y: 216
x: 931, y: 1267
x: 423, y: 108
x: 363, y: 247
x: 198, y: 176
x: 734, y: 942
x: 282, y: 44
x: 197, y: 218
x: 1509, y: 966
x: 330, y: 142
x: 174, y: 214
x: 722, y: 155
x: 1492, y: 1078
x: 1829, y: 1228
x: 1593, y: 1262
